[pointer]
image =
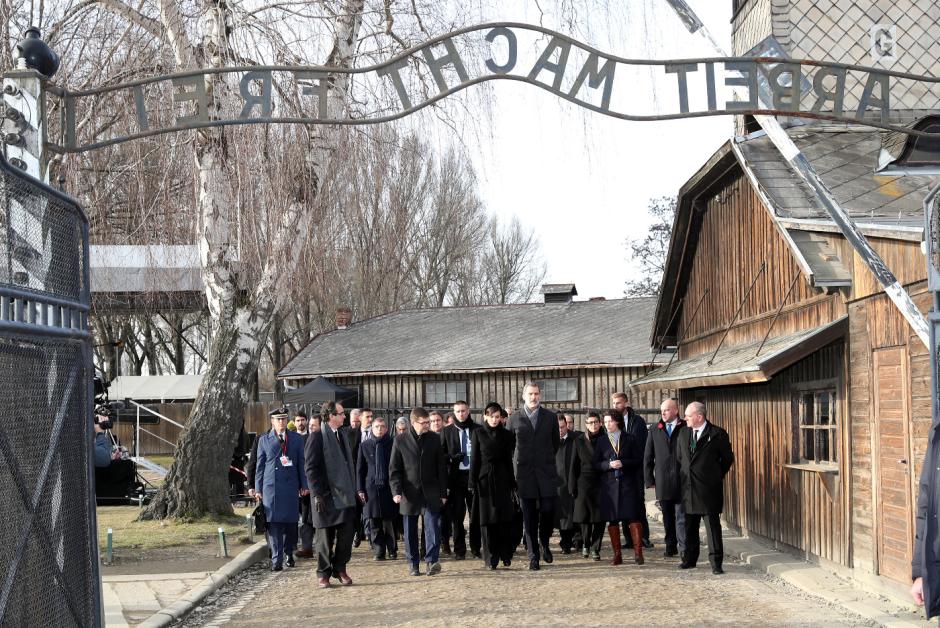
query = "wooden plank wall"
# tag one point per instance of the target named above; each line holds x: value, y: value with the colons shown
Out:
x: 387, y: 392
x: 256, y: 420
x: 875, y: 323
x: 787, y: 505
x: 736, y: 235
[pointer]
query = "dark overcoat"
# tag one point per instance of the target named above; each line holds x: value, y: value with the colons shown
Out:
x: 450, y: 437
x: 926, y: 563
x: 321, y: 479
x: 620, y: 496
x: 280, y: 485
x: 418, y: 472
x: 701, y: 474
x: 354, y: 439
x: 564, y: 505
x: 491, y: 474
x: 660, y: 463
x: 584, y: 480
x: 375, y: 455
x: 536, y: 446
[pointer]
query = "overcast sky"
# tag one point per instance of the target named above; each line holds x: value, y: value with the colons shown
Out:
x: 582, y: 179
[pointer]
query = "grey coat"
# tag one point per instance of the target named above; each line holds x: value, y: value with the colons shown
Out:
x: 536, y: 446
x: 331, y: 477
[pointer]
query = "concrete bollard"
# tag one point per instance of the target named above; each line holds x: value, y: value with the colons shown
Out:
x: 223, y: 547
x: 249, y: 523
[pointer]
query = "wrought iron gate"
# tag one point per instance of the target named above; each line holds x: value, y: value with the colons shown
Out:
x: 49, y: 558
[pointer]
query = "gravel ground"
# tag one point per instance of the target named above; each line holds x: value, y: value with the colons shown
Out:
x: 570, y: 592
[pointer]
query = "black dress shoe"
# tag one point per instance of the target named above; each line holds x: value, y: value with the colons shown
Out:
x: 685, y: 565
x: 414, y: 572
x: 277, y: 568
x: 669, y: 553
x: 547, y: 555
x: 718, y: 570
x: 647, y: 544
x: 596, y: 555
x: 534, y: 565
x: 460, y: 556
x: 491, y: 567
x: 290, y: 560
x: 506, y: 563
x: 378, y: 558
x: 476, y: 554
x: 357, y: 541
x: 566, y: 550
x: 393, y: 555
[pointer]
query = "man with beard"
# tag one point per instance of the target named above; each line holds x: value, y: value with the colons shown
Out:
x: 537, y: 442
x: 564, y: 506
x: 306, y: 520
x: 458, y: 447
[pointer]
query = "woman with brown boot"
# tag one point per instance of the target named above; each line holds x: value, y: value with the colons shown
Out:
x: 617, y: 455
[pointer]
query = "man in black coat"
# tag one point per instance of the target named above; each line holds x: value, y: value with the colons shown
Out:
x: 306, y: 519
x: 636, y: 426
x: 331, y: 478
x: 354, y: 437
x: 564, y: 507
x: 661, y: 470
x: 537, y: 442
x: 925, y: 568
x: 457, y: 446
x: 705, y: 457
x: 418, y: 477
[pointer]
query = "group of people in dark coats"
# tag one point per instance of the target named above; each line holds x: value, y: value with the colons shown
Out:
x: 519, y: 477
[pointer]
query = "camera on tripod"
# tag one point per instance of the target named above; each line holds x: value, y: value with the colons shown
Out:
x: 104, y: 407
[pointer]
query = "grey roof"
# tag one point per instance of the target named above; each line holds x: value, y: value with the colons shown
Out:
x: 846, y: 161
x: 448, y: 339
x: 742, y: 364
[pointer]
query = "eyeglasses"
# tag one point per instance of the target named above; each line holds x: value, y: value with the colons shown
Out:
x: 422, y: 422
x: 591, y: 422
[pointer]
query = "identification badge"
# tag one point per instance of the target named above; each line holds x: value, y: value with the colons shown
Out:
x: 286, y: 462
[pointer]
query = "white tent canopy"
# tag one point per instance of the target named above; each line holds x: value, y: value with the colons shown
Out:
x: 161, y: 388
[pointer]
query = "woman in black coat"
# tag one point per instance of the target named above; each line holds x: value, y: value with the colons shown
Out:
x: 374, y: 489
x: 617, y: 456
x: 583, y: 481
x: 491, y: 476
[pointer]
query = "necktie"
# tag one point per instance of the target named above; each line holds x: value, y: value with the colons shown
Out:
x: 694, y: 440
x: 669, y: 429
x: 463, y: 447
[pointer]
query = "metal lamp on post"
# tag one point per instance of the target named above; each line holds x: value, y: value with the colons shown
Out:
x: 23, y: 122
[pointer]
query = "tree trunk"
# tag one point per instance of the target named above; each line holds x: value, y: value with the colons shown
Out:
x: 196, y: 484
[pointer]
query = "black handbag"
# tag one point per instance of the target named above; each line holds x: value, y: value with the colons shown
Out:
x: 261, y: 521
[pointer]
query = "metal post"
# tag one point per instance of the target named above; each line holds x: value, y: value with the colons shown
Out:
x: 223, y: 546
x: 137, y: 435
x: 249, y: 523
x: 110, y: 552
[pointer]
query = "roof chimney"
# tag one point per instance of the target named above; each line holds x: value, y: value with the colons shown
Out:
x: 558, y: 292
x: 343, y: 317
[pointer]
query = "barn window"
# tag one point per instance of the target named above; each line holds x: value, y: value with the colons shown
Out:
x: 560, y: 389
x: 444, y: 393
x: 817, y: 424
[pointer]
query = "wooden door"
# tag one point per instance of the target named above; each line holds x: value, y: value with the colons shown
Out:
x: 893, y: 457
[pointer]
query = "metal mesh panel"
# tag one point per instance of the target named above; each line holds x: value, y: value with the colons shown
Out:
x: 42, y: 240
x: 49, y: 562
